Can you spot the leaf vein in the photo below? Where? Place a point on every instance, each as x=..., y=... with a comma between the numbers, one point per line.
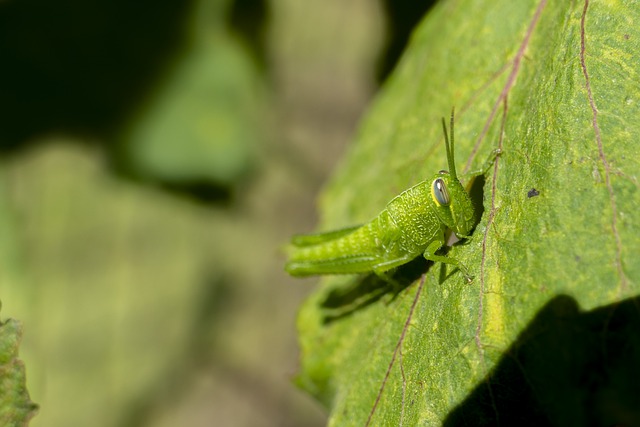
x=603, y=157
x=515, y=69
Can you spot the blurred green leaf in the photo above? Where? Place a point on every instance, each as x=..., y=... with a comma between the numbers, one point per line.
x=16, y=409
x=206, y=118
x=514, y=71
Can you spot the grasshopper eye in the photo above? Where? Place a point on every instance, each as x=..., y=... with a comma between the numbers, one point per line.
x=440, y=193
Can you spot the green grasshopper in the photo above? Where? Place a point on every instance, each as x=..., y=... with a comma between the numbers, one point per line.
x=413, y=223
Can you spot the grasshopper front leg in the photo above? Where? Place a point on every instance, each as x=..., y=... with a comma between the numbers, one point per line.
x=430, y=255
x=485, y=168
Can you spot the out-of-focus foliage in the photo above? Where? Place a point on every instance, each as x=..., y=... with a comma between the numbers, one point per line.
x=203, y=126
x=170, y=89
x=207, y=119
x=140, y=307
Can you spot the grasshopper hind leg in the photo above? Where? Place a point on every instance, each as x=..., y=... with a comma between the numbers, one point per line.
x=339, y=265
x=302, y=240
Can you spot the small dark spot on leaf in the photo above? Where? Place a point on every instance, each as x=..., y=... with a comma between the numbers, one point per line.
x=532, y=193
x=626, y=36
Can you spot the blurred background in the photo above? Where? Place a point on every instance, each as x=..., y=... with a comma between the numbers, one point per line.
x=155, y=156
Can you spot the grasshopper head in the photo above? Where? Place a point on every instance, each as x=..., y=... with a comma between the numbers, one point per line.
x=452, y=203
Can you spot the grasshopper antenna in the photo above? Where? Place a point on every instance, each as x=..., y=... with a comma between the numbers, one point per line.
x=449, y=145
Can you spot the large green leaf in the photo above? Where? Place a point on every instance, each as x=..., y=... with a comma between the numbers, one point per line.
x=556, y=86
